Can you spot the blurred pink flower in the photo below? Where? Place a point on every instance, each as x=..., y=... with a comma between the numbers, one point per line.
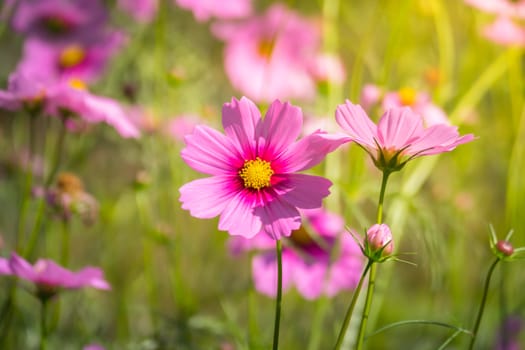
x=419, y=102
x=270, y=56
x=398, y=137
x=370, y=95
x=67, y=60
x=254, y=185
x=321, y=261
x=69, y=99
x=93, y=347
x=182, y=125
x=511, y=8
x=23, y=92
x=224, y=9
x=505, y=31
x=328, y=68
x=141, y=10
x=49, y=278
x=59, y=19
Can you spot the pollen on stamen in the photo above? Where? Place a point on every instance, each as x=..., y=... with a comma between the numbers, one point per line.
x=256, y=173
x=71, y=56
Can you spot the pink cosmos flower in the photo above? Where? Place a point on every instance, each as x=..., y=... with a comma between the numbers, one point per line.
x=505, y=31
x=254, y=185
x=225, y=9
x=59, y=19
x=49, y=277
x=419, y=102
x=141, y=10
x=67, y=60
x=398, y=137
x=321, y=262
x=509, y=8
x=22, y=92
x=370, y=95
x=275, y=51
x=72, y=99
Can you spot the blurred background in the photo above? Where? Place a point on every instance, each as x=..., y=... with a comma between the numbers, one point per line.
x=169, y=65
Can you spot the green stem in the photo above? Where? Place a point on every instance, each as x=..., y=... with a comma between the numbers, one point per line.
x=384, y=181
x=350, y=310
x=373, y=266
x=317, y=331
x=58, y=153
x=43, y=326
x=482, y=303
x=368, y=303
x=278, y=252
x=64, y=251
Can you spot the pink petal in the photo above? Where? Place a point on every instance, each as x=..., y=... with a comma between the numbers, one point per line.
x=240, y=120
x=264, y=272
x=310, y=279
x=303, y=191
x=207, y=198
x=309, y=151
x=238, y=216
x=280, y=128
x=399, y=127
x=210, y=152
x=354, y=120
x=21, y=267
x=107, y=110
x=278, y=218
x=438, y=139
x=5, y=269
x=92, y=277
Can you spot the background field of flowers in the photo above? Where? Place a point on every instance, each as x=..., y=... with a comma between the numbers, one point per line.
x=175, y=282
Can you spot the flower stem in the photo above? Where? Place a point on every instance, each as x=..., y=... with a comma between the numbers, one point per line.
x=482, y=303
x=384, y=181
x=58, y=153
x=350, y=310
x=373, y=267
x=368, y=303
x=43, y=326
x=278, y=251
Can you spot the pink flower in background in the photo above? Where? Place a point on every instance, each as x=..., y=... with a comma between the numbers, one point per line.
x=68, y=99
x=224, y=9
x=141, y=10
x=181, y=126
x=271, y=56
x=67, y=60
x=419, y=102
x=510, y=8
x=254, y=185
x=370, y=95
x=49, y=277
x=321, y=262
x=505, y=31
x=93, y=347
x=59, y=19
x=398, y=137
x=328, y=68
x=23, y=92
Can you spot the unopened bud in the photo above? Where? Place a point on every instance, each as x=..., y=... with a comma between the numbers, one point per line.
x=379, y=238
x=505, y=248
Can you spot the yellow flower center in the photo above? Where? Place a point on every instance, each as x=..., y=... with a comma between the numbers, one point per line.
x=256, y=173
x=78, y=84
x=265, y=47
x=71, y=56
x=407, y=96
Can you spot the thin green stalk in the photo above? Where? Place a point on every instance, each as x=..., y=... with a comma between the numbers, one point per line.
x=350, y=310
x=317, y=332
x=368, y=303
x=373, y=266
x=482, y=303
x=57, y=159
x=278, y=252
x=43, y=325
x=64, y=248
x=384, y=181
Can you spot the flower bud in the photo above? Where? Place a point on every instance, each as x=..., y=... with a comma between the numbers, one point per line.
x=379, y=240
x=505, y=248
